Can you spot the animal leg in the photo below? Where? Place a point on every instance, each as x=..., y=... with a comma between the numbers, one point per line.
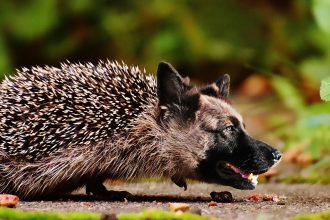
x=100, y=192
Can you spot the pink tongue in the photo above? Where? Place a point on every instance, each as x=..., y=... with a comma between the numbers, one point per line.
x=237, y=170
x=244, y=175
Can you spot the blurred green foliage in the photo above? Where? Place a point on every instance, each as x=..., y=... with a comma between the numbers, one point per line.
x=16, y=214
x=288, y=40
x=312, y=123
x=313, y=216
x=202, y=38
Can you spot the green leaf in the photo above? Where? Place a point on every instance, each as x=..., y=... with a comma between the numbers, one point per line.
x=325, y=89
x=321, y=10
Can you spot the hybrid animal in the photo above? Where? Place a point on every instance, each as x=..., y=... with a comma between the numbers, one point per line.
x=80, y=124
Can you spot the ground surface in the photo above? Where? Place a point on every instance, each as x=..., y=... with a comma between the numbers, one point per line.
x=294, y=199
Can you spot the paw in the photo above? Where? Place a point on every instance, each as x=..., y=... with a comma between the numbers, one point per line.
x=116, y=195
x=98, y=190
x=180, y=182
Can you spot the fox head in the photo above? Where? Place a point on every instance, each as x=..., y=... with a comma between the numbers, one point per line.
x=204, y=136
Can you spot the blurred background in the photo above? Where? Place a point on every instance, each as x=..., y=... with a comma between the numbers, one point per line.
x=277, y=53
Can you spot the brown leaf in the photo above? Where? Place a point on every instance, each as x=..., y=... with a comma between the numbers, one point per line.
x=183, y=207
x=212, y=203
x=8, y=200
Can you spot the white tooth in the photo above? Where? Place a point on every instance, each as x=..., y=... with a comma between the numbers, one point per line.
x=254, y=179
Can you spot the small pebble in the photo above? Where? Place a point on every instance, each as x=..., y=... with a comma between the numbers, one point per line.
x=267, y=197
x=174, y=207
x=196, y=210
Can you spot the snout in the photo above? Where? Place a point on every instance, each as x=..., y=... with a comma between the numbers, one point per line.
x=276, y=155
x=260, y=156
x=240, y=166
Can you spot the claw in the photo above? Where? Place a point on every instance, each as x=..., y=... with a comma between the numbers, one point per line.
x=180, y=182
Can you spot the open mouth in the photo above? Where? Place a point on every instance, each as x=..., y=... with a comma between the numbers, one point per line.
x=239, y=178
x=250, y=177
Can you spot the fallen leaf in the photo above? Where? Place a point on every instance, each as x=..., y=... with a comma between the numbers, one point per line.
x=212, y=203
x=183, y=207
x=8, y=200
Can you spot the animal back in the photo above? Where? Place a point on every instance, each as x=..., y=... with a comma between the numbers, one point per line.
x=46, y=109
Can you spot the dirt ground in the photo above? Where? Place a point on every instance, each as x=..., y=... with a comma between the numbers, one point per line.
x=294, y=199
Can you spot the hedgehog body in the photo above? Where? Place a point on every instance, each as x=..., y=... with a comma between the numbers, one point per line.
x=56, y=122
x=79, y=124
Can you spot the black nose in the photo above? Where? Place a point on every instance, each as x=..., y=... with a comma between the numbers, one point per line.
x=277, y=155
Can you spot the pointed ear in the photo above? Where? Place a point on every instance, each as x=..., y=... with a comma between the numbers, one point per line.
x=186, y=80
x=170, y=85
x=219, y=88
x=224, y=85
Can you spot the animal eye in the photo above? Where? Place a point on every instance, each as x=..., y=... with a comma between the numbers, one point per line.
x=229, y=128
